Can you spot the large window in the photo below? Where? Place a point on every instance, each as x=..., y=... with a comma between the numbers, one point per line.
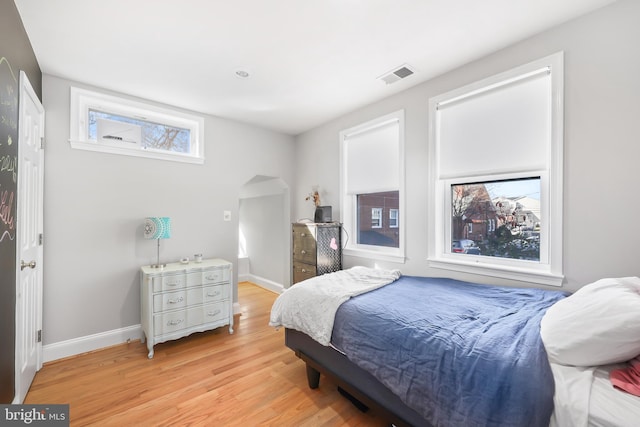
x=372, y=171
x=496, y=175
x=117, y=125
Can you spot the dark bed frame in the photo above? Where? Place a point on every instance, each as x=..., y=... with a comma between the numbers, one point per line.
x=357, y=383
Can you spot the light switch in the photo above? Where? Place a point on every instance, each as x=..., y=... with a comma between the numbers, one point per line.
x=227, y=215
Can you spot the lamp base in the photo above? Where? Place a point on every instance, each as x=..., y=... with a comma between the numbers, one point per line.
x=158, y=265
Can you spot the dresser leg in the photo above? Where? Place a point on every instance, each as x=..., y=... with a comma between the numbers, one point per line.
x=150, y=355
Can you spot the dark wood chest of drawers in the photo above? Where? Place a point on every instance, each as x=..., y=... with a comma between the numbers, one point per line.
x=317, y=249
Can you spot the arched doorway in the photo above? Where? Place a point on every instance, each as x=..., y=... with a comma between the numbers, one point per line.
x=264, y=233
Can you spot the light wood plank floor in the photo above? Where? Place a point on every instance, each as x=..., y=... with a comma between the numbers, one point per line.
x=207, y=379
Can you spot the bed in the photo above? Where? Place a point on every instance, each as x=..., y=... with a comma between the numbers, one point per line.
x=471, y=354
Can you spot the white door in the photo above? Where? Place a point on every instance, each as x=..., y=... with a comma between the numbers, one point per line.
x=29, y=227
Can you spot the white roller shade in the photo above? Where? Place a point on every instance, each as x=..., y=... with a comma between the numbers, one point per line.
x=373, y=159
x=500, y=129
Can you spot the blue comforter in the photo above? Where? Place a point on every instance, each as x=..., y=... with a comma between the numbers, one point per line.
x=460, y=354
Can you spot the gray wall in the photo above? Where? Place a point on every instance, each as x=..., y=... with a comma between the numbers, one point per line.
x=95, y=204
x=602, y=109
x=16, y=54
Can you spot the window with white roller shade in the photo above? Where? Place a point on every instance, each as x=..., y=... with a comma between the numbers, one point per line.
x=505, y=131
x=372, y=180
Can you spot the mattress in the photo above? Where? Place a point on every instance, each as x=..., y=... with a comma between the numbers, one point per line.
x=458, y=353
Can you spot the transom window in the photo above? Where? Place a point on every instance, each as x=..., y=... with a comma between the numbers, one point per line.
x=117, y=125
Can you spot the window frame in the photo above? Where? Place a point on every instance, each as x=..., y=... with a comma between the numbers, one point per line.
x=83, y=100
x=547, y=271
x=348, y=202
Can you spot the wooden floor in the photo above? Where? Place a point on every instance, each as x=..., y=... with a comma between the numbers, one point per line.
x=207, y=379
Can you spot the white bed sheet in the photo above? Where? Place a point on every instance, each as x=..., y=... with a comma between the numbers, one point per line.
x=585, y=398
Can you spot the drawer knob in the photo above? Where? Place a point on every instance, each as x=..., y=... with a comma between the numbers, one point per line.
x=212, y=277
x=303, y=252
x=302, y=234
x=213, y=313
x=174, y=322
x=173, y=284
x=213, y=294
x=304, y=271
x=175, y=301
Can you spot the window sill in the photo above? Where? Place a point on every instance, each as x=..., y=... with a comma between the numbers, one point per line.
x=151, y=154
x=380, y=256
x=539, y=277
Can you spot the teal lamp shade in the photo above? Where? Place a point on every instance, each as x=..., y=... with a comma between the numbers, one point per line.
x=157, y=227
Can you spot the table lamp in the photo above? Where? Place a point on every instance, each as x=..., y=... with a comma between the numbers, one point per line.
x=157, y=228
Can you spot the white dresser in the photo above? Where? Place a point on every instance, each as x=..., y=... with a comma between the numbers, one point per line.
x=181, y=299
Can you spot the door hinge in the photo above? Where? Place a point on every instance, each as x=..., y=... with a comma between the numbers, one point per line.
x=42, y=142
x=40, y=237
x=39, y=339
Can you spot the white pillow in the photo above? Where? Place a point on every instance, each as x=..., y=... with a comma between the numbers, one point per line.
x=597, y=325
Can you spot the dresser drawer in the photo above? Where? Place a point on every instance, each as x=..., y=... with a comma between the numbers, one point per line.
x=304, y=244
x=207, y=294
x=168, y=282
x=169, y=301
x=302, y=271
x=217, y=275
x=168, y=322
x=207, y=313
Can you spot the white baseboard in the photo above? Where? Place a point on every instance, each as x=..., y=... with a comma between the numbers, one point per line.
x=80, y=345
x=267, y=284
x=72, y=347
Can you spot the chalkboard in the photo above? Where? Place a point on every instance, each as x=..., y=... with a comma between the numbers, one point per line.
x=8, y=190
x=8, y=156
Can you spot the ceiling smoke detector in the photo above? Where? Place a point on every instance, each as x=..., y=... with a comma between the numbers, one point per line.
x=397, y=74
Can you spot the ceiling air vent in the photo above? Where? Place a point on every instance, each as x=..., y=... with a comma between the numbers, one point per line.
x=397, y=74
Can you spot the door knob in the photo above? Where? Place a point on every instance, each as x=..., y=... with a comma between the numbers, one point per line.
x=24, y=265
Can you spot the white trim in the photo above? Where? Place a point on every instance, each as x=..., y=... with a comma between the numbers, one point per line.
x=267, y=284
x=75, y=346
x=372, y=253
x=512, y=273
x=150, y=154
x=88, y=343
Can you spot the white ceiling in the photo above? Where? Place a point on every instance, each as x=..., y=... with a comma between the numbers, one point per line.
x=309, y=60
